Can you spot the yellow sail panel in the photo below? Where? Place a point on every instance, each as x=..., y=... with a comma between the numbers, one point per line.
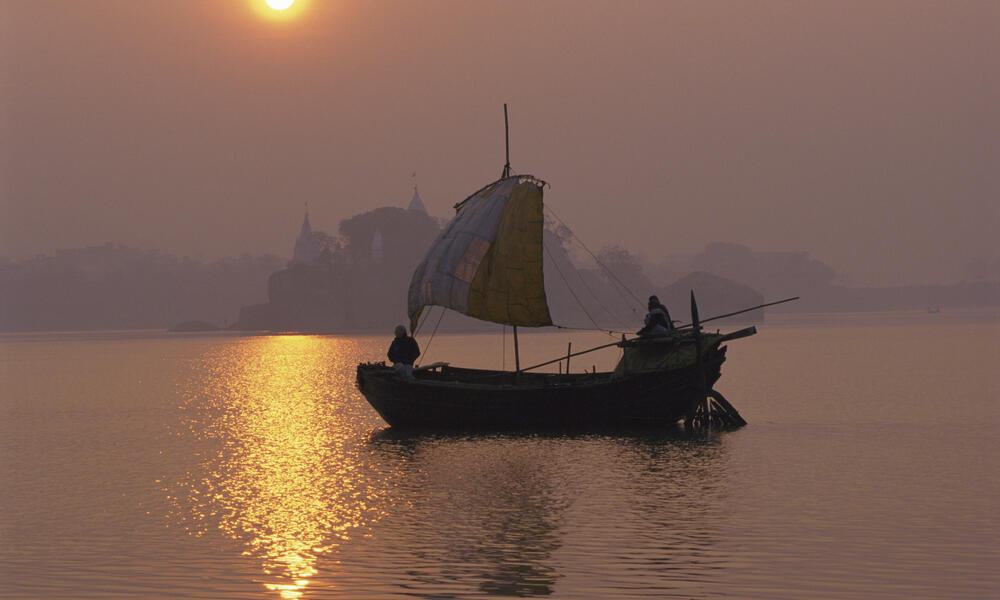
x=487, y=262
x=509, y=286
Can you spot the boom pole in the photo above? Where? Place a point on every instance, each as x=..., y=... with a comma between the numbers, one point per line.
x=740, y=312
x=601, y=347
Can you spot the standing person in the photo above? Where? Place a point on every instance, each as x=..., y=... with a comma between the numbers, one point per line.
x=403, y=352
x=657, y=319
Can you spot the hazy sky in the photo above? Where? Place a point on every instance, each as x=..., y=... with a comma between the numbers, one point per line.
x=863, y=132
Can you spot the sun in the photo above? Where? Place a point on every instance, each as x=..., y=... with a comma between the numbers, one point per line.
x=279, y=11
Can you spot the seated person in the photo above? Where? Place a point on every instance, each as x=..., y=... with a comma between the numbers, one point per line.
x=403, y=352
x=657, y=319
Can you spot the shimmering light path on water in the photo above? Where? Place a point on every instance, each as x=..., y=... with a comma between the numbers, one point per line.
x=154, y=466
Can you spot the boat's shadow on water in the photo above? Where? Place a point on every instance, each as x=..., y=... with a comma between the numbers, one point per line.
x=509, y=511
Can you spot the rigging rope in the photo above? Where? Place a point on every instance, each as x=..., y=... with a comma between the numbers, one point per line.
x=596, y=299
x=427, y=347
x=571, y=292
x=421, y=323
x=503, y=347
x=592, y=255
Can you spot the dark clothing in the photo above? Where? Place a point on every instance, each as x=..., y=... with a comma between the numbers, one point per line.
x=404, y=350
x=657, y=321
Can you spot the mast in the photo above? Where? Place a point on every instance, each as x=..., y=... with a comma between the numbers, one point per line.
x=506, y=139
x=487, y=261
x=506, y=173
x=517, y=355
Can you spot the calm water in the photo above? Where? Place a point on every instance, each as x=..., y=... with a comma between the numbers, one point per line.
x=140, y=465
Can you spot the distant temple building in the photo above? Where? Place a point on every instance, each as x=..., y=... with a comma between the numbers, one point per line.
x=307, y=247
x=416, y=204
x=358, y=279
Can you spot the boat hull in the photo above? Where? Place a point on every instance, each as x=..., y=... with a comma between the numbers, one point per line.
x=455, y=398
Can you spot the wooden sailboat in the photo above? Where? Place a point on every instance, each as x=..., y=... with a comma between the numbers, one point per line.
x=487, y=264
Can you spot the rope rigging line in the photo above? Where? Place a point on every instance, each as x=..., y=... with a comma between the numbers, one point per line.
x=421, y=323
x=571, y=292
x=592, y=255
x=614, y=317
x=598, y=300
x=503, y=347
x=427, y=347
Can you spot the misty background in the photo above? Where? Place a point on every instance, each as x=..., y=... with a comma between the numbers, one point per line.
x=190, y=136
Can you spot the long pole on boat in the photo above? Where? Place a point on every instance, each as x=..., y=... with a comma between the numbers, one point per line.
x=562, y=358
x=702, y=321
x=740, y=312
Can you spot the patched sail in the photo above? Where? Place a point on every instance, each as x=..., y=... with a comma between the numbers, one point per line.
x=487, y=262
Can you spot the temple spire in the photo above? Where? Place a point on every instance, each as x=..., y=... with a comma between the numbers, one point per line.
x=306, y=227
x=416, y=204
x=307, y=248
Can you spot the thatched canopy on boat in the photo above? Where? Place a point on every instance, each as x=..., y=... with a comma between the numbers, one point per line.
x=662, y=353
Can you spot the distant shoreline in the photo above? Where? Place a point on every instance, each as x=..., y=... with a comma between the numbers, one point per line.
x=984, y=316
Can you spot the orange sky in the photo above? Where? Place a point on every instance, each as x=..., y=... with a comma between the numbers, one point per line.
x=865, y=133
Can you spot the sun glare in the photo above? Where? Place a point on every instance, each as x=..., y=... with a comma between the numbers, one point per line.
x=280, y=11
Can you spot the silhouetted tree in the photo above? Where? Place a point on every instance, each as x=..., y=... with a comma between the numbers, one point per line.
x=626, y=269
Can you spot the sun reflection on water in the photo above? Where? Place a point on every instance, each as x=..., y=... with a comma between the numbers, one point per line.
x=286, y=476
x=290, y=465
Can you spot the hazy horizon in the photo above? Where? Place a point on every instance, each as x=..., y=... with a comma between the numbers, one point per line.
x=862, y=134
